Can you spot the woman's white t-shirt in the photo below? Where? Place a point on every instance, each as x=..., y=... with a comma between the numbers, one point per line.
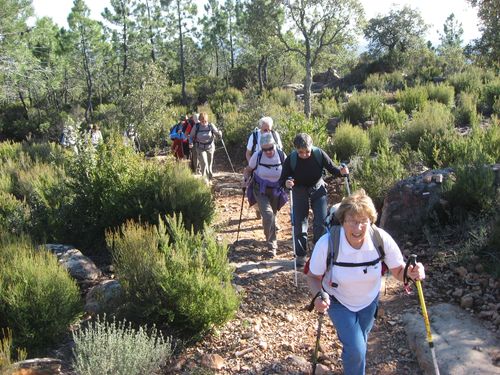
x=357, y=286
x=271, y=174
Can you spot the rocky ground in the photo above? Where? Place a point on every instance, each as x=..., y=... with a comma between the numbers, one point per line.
x=273, y=333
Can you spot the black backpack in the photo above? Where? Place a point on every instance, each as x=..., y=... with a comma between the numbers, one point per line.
x=280, y=154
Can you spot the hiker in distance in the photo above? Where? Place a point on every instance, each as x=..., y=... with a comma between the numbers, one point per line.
x=352, y=277
x=303, y=173
x=202, y=138
x=179, y=134
x=264, y=187
x=265, y=126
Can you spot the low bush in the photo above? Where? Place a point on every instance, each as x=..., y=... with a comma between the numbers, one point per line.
x=171, y=275
x=440, y=93
x=6, y=351
x=473, y=190
x=377, y=175
x=349, y=141
x=379, y=135
x=434, y=118
x=117, y=348
x=296, y=123
x=375, y=82
x=224, y=101
x=282, y=97
x=412, y=99
x=38, y=298
x=390, y=116
x=362, y=107
x=113, y=184
x=14, y=214
x=490, y=98
x=468, y=81
x=466, y=110
x=325, y=108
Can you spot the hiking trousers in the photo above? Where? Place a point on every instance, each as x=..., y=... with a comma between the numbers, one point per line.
x=303, y=198
x=206, y=159
x=353, y=329
x=268, y=206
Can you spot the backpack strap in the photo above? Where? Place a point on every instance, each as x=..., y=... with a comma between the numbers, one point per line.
x=280, y=154
x=254, y=136
x=275, y=137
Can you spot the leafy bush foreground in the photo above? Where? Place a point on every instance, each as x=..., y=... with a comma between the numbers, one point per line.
x=171, y=275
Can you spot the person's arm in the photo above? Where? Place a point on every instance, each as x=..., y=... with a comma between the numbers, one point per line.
x=216, y=131
x=286, y=171
x=329, y=166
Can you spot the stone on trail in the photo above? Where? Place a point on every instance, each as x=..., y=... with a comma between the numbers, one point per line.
x=462, y=344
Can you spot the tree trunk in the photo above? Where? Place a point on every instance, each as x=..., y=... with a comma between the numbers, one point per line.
x=124, y=41
x=261, y=80
x=21, y=97
x=181, y=54
x=307, y=87
x=151, y=34
x=264, y=72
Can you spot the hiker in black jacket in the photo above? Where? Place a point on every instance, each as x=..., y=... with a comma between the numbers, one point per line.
x=303, y=173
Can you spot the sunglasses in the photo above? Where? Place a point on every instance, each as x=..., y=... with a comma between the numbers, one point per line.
x=268, y=149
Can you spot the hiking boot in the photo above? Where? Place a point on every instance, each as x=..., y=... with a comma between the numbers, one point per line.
x=301, y=260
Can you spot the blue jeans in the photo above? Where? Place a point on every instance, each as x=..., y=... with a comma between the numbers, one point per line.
x=353, y=329
x=303, y=198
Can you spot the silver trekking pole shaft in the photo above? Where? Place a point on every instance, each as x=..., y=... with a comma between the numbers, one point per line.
x=346, y=180
x=228, y=158
x=293, y=238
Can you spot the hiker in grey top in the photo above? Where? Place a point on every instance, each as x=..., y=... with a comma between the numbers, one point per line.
x=202, y=138
x=264, y=188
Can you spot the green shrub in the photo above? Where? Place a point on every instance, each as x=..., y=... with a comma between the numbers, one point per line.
x=362, y=107
x=282, y=97
x=412, y=99
x=349, y=141
x=466, y=110
x=468, y=81
x=38, y=298
x=188, y=281
x=225, y=101
x=388, y=115
x=236, y=128
x=6, y=350
x=325, y=108
x=473, y=190
x=296, y=123
x=377, y=175
x=379, y=136
x=440, y=93
x=434, y=118
x=113, y=184
x=395, y=81
x=490, y=97
x=116, y=348
x=376, y=82
x=14, y=214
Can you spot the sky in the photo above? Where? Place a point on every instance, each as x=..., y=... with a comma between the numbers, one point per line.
x=434, y=12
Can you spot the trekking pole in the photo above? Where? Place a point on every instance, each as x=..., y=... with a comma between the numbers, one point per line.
x=293, y=237
x=412, y=260
x=323, y=297
x=228, y=158
x=241, y=213
x=346, y=180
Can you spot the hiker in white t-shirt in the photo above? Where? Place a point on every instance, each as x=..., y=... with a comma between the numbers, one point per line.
x=264, y=188
x=352, y=282
x=253, y=143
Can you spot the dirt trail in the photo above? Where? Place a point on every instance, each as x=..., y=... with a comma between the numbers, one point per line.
x=272, y=332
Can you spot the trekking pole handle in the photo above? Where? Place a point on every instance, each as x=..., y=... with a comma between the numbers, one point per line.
x=321, y=294
x=412, y=260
